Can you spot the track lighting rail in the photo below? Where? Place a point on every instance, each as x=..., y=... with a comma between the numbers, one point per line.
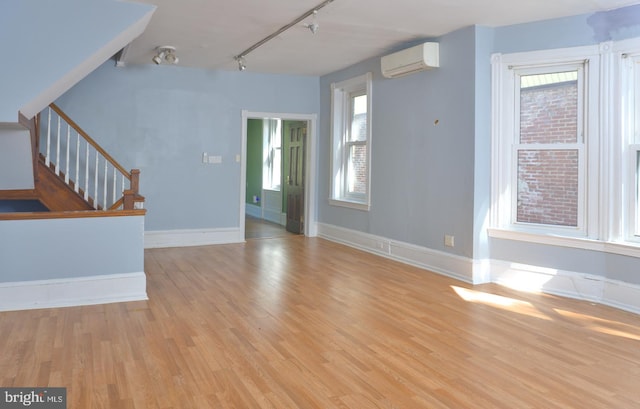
x=240, y=57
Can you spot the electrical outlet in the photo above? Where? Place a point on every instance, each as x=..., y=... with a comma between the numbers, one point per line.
x=449, y=241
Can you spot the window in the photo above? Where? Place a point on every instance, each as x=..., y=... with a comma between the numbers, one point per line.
x=565, y=160
x=545, y=143
x=631, y=144
x=351, y=142
x=272, y=154
x=549, y=146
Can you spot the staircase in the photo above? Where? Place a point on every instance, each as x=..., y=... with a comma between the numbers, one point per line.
x=89, y=247
x=72, y=172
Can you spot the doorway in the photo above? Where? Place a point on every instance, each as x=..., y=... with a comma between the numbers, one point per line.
x=278, y=178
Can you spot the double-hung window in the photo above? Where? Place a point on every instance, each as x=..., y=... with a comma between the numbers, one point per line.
x=351, y=142
x=630, y=90
x=549, y=147
x=545, y=143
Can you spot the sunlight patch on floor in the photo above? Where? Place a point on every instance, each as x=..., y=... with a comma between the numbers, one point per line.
x=531, y=279
x=590, y=322
x=498, y=301
x=602, y=325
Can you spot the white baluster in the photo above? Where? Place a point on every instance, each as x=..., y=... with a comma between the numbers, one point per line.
x=86, y=173
x=46, y=158
x=58, y=149
x=104, y=188
x=95, y=187
x=66, y=173
x=115, y=179
x=77, y=184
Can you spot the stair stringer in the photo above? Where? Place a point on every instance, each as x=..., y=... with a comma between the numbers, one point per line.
x=55, y=194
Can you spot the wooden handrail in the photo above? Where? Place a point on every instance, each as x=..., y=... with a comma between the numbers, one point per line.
x=70, y=215
x=90, y=140
x=130, y=199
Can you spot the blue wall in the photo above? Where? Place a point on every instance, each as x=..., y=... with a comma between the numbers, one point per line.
x=70, y=248
x=427, y=180
x=48, y=39
x=422, y=173
x=161, y=119
x=569, y=31
x=484, y=38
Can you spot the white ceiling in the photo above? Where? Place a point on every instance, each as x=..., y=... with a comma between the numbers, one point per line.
x=209, y=33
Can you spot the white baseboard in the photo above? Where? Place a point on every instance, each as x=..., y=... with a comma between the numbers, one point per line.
x=460, y=268
x=71, y=292
x=253, y=210
x=275, y=217
x=571, y=284
x=587, y=287
x=195, y=237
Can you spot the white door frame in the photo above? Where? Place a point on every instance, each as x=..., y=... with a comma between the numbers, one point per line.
x=310, y=222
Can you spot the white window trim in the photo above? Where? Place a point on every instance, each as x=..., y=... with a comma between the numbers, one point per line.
x=579, y=145
x=503, y=99
x=340, y=92
x=625, y=151
x=611, y=227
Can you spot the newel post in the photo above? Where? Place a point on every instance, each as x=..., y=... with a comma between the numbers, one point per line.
x=132, y=199
x=135, y=180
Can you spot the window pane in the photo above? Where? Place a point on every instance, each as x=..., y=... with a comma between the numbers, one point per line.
x=358, y=118
x=549, y=108
x=357, y=171
x=276, y=165
x=548, y=187
x=637, y=195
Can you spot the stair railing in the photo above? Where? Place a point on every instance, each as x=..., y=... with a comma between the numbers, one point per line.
x=85, y=166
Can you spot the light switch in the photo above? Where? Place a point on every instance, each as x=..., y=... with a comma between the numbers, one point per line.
x=215, y=159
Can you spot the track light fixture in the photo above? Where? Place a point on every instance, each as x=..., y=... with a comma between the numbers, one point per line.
x=313, y=27
x=165, y=54
x=241, y=64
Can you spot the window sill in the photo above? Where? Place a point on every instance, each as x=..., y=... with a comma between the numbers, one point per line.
x=622, y=248
x=350, y=204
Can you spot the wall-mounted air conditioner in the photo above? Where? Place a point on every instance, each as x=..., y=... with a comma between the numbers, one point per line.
x=410, y=60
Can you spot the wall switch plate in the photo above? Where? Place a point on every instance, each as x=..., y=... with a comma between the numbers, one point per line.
x=204, y=157
x=215, y=159
x=449, y=241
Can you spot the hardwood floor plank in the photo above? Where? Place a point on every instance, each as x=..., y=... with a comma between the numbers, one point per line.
x=295, y=322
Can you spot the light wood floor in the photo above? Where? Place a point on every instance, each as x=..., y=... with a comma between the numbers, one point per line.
x=299, y=322
x=262, y=229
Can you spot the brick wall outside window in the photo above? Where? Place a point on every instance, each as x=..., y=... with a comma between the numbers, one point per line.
x=548, y=179
x=358, y=156
x=358, y=183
